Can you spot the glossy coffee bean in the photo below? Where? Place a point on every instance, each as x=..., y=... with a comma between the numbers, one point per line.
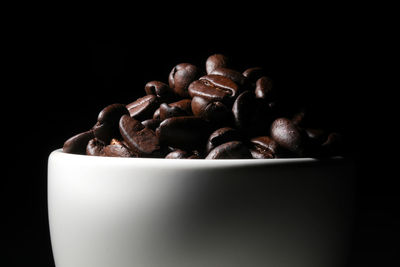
x=230, y=150
x=253, y=74
x=214, y=88
x=221, y=136
x=151, y=123
x=117, y=150
x=217, y=61
x=231, y=74
x=138, y=138
x=215, y=112
x=251, y=115
x=264, y=147
x=161, y=90
x=264, y=88
x=95, y=148
x=184, y=104
x=112, y=113
x=77, y=143
x=177, y=154
x=105, y=132
x=288, y=135
x=168, y=111
x=187, y=132
x=143, y=107
x=181, y=76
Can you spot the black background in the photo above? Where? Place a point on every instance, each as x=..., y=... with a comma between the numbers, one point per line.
x=62, y=72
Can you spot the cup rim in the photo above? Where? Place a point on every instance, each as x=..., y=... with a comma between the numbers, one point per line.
x=188, y=162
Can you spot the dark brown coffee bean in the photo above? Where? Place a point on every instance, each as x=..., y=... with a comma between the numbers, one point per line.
x=217, y=61
x=221, y=136
x=181, y=76
x=112, y=113
x=143, y=107
x=264, y=88
x=214, y=88
x=167, y=111
x=177, y=154
x=251, y=115
x=333, y=146
x=151, y=123
x=211, y=111
x=161, y=90
x=104, y=132
x=263, y=147
x=187, y=132
x=231, y=74
x=230, y=150
x=253, y=74
x=137, y=137
x=77, y=143
x=117, y=150
x=95, y=147
x=184, y=104
x=288, y=135
x=156, y=114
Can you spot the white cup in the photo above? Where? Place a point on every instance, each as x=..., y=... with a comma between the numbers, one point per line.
x=137, y=212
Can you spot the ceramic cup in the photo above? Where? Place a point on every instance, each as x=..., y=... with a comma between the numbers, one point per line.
x=138, y=212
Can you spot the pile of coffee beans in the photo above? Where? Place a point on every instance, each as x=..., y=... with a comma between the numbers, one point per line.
x=216, y=113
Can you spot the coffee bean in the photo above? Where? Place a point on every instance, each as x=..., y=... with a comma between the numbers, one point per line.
x=231, y=74
x=95, y=148
x=288, y=135
x=151, y=123
x=143, y=107
x=177, y=154
x=217, y=61
x=253, y=74
x=77, y=143
x=181, y=76
x=215, y=112
x=221, y=136
x=112, y=113
x=187, y=132
x=214, y=88
x=161, y=90
x=264, y=147
x=184, y=104
x=264, y=88
x=117, y=150
x=167, y=111
x=138, y=138
x=230, y=150
x=105, y=132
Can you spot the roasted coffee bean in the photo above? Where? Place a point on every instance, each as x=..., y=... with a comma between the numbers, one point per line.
x=77, y=143
x=264, y=147
x=251, y=116
x=231, y=74
x=112, y=113
x=181, y=76
x=178, y=154
x=167, y=111
x=333, y=146
x=230, y=150
x=117, y=150
x=143, y=108
x=253, y=74
x=138, y=138
x=187, y=132
x=215, y=112
x=221, y=136
x=288, y=135
x=184, y=104
x=217, y=61
x=214, y=88
x=151, y=123
x=95, y=148
x=264, y=88
x=161, y=90
x=104, y=132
